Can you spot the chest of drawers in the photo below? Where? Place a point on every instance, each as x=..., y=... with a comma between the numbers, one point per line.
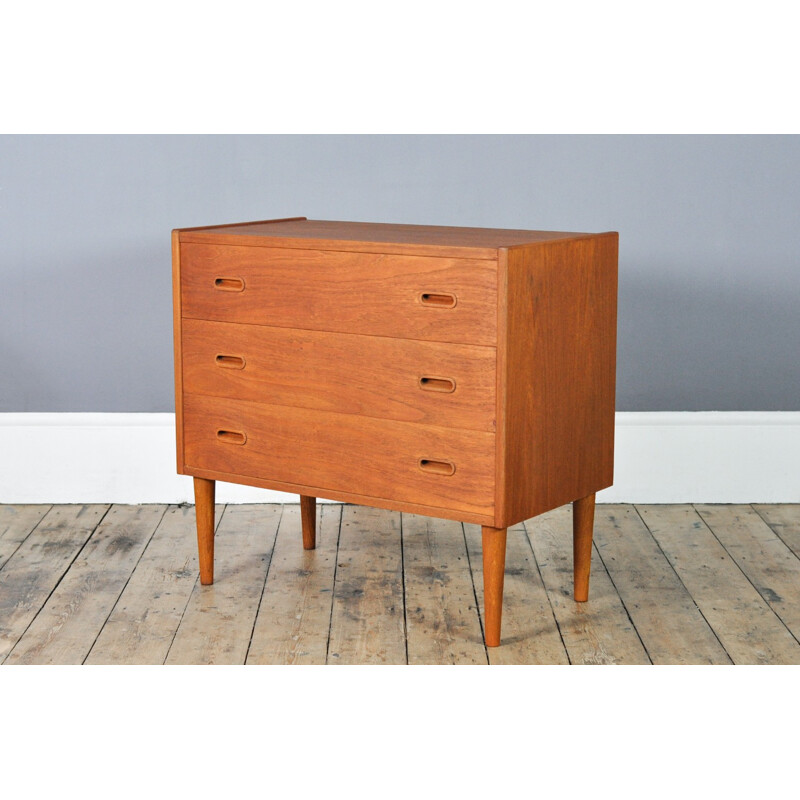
x=465, y=373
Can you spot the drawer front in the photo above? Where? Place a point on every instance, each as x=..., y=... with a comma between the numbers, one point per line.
x=410, y=297
x=401, y=461
x=432, y=382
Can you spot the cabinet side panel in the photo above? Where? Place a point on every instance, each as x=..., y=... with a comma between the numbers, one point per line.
x=560, y=371
x=501, y=388
x=177, y=345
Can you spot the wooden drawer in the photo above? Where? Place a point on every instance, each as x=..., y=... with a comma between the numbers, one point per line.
x=433, y=382
x=398, y=461
x=412, y=297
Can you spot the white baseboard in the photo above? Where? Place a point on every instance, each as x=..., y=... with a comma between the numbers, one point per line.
x=661, y=457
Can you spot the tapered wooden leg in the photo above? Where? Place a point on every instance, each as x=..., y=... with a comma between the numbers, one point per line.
x=494, y=565
x=582, y=526
x=308, y=513
x=204, y=515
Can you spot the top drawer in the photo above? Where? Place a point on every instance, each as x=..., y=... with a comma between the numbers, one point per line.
x=409, y=297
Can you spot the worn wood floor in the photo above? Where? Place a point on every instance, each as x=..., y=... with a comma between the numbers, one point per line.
x=97, y=584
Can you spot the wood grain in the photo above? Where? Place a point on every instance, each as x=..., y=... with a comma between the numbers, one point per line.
x=373, y=237
x=142, y=625
x=333, y=335
x=746, y=626
x=493, y=552
x=218, y=621
x=785, y=521
x=16, y=523
x=295, y=611
x=582, y=528
x=530, y=632
x=597, y=632
x=204, y=493
x=37, y=566
x=559, y=357
x=442, y=619
x=761, y=555
x=666, y=617
x=297, y=596
x=341, y=292
x=76, y=611
x=308, y=516
x=177, y=340
x=346, y=496
x=373, y=376
x=382, y=456
x=367, y=620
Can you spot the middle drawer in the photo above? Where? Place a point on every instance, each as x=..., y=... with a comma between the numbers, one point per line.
x=436, y=383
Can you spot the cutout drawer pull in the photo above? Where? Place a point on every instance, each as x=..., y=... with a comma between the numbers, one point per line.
x=229, y=284
x=232, y=437
x=431, y=384
x=437, y=467
x=230, y=362
x=438, y=299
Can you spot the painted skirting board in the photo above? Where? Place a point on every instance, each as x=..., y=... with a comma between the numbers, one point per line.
x=661, y=457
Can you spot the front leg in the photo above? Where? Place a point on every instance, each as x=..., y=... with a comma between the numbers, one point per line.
x=204, y=516
x=494, y=566
x=308, y=514
x=582, y=527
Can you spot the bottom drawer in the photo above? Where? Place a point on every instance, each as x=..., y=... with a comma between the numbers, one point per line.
x=401, y=461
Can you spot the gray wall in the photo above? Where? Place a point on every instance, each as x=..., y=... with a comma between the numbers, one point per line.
x=709, y=239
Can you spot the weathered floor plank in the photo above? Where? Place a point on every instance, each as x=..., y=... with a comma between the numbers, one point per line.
x=143, y=623
x=16, y=523
x=74, y=614
x=709, y=584
x=218, y=621
x=598, y=631
x=529, y=630
x=761, y=555
x=746, y=626
x=666, y=617
x=441, y=614
x=295, y=611
x=31, y=574
x=785, y=521
x=367, y=620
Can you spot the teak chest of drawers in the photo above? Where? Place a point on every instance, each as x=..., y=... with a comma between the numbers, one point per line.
x=465, y=373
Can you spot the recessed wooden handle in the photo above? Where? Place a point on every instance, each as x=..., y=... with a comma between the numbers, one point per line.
x=229, y=284
x=230, y=362
x=232, y=437
x=431, y=384
x=438, y=299
x=437, y=467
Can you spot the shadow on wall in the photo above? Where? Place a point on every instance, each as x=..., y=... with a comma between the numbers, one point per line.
x=706, y=346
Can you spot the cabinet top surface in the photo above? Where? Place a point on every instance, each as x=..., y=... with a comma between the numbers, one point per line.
x=303, y=232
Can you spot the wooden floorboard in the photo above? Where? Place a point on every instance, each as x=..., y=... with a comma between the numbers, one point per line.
x=442, y=617
x=16, y=523
x=74, y=614
x=747, y=627
x=785, y=521
x=368, y=620
x=529, y=631
x=766, y=561
x=143, y=623
x=666, y=617
x=704, y=584
x=218, y=622
x=295, y=611
x=596, y=632
x=29, y=577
